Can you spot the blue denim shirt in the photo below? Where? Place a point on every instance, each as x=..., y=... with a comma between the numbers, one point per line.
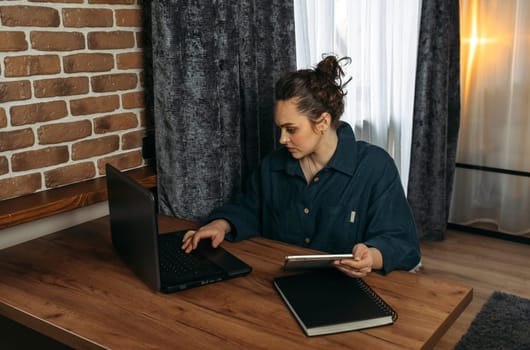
x=356, y=198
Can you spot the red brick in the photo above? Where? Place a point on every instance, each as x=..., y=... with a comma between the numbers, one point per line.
x=129, y=18
x=13, y=41
x=19, y=185
x=83, y=17
x=40, y=158
x=130, y=60
x=143, y=120
x=132, y=139
x=114, y=82
x=121, y=161
x=69, y=174
x=63, y=132
x=115, y=122
x=112, y=2
x=95, y=147
x=23, y=66
x=57, y=41
x=38, y=112
x=139, y=39
x=16, y=139
x=110, y=40
x=15, y=90
x=4, y=165
x=133, y=100
x=61, y=87
x=91, y=105
x=60, y=1
x=33, y=16
x=3, y=118
x=88, y=62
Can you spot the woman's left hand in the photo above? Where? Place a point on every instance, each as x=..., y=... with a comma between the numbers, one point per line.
x=364, y=260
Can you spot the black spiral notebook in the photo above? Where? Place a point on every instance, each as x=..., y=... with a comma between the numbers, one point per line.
x=327, y=301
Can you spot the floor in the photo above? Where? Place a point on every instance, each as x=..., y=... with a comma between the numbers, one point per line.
x=487, y=264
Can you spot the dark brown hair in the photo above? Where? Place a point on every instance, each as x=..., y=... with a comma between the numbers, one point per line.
x=316, y=90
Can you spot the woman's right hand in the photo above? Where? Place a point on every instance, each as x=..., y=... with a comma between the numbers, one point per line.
x=215, y=230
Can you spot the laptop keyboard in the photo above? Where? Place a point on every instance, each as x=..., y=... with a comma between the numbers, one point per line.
x=177, y=264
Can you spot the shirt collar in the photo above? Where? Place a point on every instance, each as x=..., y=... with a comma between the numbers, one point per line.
x=344, y=159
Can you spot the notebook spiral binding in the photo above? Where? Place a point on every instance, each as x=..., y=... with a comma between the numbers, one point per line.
x=383, y=304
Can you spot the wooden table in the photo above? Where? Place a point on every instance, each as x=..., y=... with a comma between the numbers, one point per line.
x=72, y=287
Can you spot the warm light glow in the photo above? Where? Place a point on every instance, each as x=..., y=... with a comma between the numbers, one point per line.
x=474, y=39
x=477, y=41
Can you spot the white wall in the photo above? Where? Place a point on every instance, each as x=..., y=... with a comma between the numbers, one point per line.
x=38, y=228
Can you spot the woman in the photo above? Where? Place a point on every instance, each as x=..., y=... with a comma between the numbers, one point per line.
x=323, y=190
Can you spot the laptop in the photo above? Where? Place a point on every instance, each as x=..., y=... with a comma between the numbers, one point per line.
x=156, y=258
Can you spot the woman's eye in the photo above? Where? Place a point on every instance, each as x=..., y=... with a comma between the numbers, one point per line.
x=291, y=130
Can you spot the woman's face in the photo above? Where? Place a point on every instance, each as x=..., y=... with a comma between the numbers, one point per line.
x=298, y=134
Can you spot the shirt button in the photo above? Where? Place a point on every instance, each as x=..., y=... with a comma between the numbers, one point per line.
x=316, y=179
x=307, y=240
x=306, y=210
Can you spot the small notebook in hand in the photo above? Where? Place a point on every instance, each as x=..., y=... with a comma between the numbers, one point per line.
x=327, y=301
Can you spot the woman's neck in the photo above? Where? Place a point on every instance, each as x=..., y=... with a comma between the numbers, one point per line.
x=314, y=162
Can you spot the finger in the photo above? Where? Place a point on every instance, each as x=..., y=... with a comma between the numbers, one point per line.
x=353, y=266
x=186, y=239
x=359, y=252
x=187, y=246
x=350, y=272
x=216, y=241
x=350, y=264
x=357, y=256
x=188, y=234
x=360, y=273
x=184, y=245
x=196, y=239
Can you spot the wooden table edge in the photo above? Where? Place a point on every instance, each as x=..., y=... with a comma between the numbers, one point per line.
x=46, y=328
x=452, y=317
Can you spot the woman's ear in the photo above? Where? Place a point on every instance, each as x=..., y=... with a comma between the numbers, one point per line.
x=324, y=121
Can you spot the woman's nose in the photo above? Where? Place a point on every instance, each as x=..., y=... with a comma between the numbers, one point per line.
x=284, y=138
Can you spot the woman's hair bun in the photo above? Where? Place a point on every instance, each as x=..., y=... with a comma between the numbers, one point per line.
x=316, y=90
x=330, y=69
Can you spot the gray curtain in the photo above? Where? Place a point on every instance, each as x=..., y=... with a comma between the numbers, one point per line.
x=436, y=117
x=214, y=65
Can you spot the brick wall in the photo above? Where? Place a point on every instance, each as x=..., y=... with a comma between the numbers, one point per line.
x=71, y=91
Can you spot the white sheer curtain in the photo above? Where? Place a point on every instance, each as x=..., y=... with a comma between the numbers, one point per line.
x=495, y=123
x=381, y=37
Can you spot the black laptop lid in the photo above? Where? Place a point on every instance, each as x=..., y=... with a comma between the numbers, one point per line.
x=134, y=227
